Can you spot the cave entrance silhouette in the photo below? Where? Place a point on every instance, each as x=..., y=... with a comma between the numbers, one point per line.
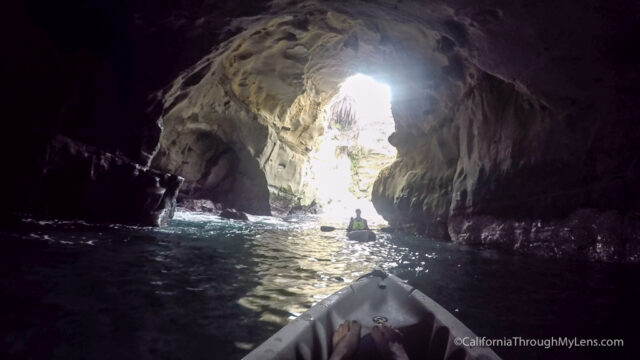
x=354, y=148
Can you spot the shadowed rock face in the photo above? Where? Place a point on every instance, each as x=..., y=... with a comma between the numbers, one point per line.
x=516, y=124
x=86, y=71
x=530, y=142
x=76, y=181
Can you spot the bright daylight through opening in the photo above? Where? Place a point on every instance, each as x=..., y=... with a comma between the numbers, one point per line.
x=354, y=148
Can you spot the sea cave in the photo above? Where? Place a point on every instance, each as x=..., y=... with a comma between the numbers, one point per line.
x=179, y=177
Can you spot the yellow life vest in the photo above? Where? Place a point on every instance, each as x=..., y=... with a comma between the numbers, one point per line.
x=358, y=224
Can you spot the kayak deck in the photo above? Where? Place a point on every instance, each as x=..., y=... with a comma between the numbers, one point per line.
x=361, y=235
x=376, y=298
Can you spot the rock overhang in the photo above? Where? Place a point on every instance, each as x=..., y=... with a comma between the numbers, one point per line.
x=502, y=109
x=280, y=70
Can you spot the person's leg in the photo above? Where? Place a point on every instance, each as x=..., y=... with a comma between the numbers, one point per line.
x=389, y=342
x=345, y=340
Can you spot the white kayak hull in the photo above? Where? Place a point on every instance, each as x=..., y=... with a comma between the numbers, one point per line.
x=429, y=330
x=361, y=235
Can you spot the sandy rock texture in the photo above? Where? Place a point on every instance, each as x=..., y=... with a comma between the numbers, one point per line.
x=501, y=109
x=240, y=124
x=249, y=113
x=542, y=138
x=508, y=115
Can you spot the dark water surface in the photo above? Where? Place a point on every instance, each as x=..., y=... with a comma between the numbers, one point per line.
x=207, y=288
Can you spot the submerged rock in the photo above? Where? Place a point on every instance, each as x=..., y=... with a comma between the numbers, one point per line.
x=200, y=205
x=304, y=209
x=388, y=230
x=233, y=214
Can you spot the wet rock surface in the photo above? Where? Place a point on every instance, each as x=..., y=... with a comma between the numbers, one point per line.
x=233, y=214
x=199, y=205
x=586, y=234
x=304, y=209
x=506, y=112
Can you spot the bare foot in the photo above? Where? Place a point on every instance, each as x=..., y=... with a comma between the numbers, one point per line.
x=345, y=340
x=389, y=342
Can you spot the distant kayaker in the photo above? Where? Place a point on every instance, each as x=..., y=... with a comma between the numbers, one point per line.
x=357, y=223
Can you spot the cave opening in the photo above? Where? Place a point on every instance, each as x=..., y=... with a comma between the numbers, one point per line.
x=170, y=169
x=354, y=148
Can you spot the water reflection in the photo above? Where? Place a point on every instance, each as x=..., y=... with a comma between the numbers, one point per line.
x=305, y=267
x=205, y=285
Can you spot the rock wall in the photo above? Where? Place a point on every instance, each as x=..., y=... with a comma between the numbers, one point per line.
x=537, y=153
x=509, y=115
x=87, y=70
x=263, y=93
x=75, y=181
x=228, y=148
x=507, y=171
x=261, y=96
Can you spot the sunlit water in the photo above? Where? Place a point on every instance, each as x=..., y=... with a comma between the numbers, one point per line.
x=208, y=288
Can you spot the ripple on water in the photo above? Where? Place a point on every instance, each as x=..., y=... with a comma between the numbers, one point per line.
x=204, y=285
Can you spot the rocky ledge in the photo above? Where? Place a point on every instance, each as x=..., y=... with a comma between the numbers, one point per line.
x=586, y=234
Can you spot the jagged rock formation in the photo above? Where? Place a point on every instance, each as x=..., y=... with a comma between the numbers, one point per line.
x=510, y=117
x=77, y=181
x=257, y=94
x=85, y=70
x=529, y=141
x=262, y=94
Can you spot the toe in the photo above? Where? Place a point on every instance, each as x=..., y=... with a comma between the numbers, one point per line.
x=383, y=332
x=376, y=333
x=392, y=334
x=355, y=327
x=344, y=328
x=339, y=333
